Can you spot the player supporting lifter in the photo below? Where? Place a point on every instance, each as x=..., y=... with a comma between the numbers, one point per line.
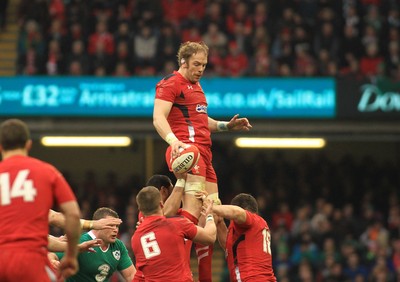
x=180, y=117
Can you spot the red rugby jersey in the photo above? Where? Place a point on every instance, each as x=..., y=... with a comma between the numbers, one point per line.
x=248, y=250
x=28, y=189
x=188, y=117
x=159, y=248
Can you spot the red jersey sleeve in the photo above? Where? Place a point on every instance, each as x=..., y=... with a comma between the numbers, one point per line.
x=187, y=227
x=247, y=224
x=167, y=89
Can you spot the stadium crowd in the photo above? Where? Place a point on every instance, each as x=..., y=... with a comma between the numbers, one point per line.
x=246, y=38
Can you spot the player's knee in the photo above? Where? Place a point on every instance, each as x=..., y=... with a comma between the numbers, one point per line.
x=194, y=187
x=215, y=198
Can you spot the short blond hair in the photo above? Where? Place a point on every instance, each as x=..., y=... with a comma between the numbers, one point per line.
x=187, y=49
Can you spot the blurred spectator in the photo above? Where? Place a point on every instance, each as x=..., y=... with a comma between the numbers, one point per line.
x=370, y=63
x=392, y=59
x=168, y=45
x=259, y=38
x=175, y=11
x=350, y=44
x=31, y=37
x=146, y=12
x=101, y=37
x=375, y=239
x=77, y=11
x=121, y=70
x=55, y=59
x=75, y=68
x=214, y=37
x=78, y=54
x=325, y=39
x=145, y=46
x=31, y=63
x=191, y=33
x=283, y=217
x=261, y=16
x=215, y=65
x=241, y=15
x=215, y=15
x=57, y=10
x=122, y=54
x=236, y=62
x=354, y=268
x=123, y=34
x=76, y=32
x=101, y=58
x=305, y=250
x=57, y=33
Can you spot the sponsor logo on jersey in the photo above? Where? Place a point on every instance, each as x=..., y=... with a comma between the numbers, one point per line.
x=117, y=254
x=201, y=108
x=190, y=87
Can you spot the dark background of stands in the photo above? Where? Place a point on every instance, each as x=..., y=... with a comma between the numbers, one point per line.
x=334, y=213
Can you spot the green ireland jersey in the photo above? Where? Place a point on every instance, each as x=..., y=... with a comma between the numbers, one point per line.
x=99, y=266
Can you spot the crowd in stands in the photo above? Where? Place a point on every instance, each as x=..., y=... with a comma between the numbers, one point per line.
x=331, y=220
x=246, y=38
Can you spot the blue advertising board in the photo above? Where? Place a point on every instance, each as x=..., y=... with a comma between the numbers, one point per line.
x=134, y=97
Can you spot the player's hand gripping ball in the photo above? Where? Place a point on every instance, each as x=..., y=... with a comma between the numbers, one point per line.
x=187, y=160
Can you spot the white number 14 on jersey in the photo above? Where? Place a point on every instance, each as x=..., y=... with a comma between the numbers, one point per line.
x=21, y=187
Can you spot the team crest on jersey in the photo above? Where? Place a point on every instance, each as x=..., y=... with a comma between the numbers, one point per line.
x=201, y=108
x=195, y=169
x=117, y=254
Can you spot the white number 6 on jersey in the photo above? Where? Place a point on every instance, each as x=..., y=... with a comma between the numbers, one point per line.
x=149, y=245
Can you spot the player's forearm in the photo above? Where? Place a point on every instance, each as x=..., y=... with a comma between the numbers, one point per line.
x=217, y=126
x=173, y=202
x=56, y=245
x=56, y=219
x=72, y=226
x=210, y=231
x=222, y=232
x=162, y=126
x=160, y=122
x=230, y=212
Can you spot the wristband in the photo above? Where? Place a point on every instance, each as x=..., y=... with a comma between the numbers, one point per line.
x=222, y=126
x=170, y=138
x=180, y=183
x=209, y=217
x=86, y=224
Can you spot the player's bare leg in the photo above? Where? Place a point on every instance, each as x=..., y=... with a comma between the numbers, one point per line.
x=194, y=183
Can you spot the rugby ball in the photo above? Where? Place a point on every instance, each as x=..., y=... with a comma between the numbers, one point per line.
x=187, y=159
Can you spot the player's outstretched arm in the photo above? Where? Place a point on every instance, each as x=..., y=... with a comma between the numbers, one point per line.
x=231, y=212
x=58, y=219
x=208, y=234
x=173, y=202
x=57, y=244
